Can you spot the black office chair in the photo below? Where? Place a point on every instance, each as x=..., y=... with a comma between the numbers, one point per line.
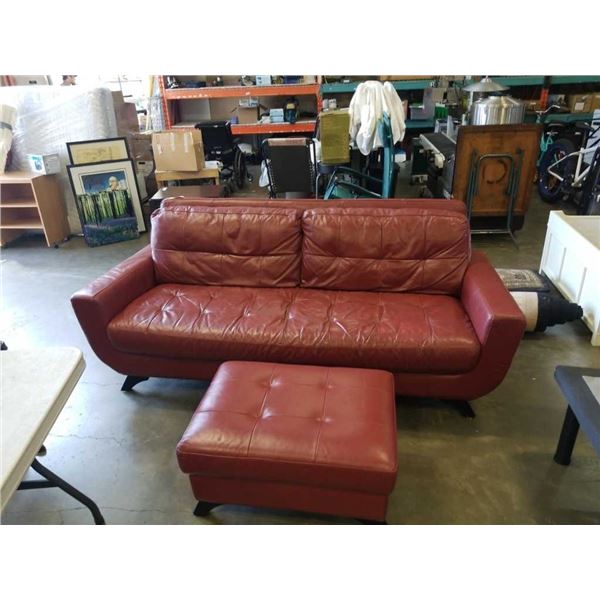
x=219, y=144
x=290, y=165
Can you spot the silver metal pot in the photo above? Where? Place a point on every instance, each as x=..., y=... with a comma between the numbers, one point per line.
x=497, y=110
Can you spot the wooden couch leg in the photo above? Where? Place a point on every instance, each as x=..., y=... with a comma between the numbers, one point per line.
x=203, y=508
x=465, y=409
x=131, y=381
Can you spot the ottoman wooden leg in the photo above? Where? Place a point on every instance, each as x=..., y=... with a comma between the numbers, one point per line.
x=203, y=508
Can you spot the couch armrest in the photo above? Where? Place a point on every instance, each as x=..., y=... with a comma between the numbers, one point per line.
x=100, y=301
x=488, y=303
x=498, y=323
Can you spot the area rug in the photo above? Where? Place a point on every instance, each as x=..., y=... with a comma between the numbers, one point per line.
x=523, y=280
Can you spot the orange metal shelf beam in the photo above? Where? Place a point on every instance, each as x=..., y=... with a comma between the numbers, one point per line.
x=262, y=128
x=241, y=91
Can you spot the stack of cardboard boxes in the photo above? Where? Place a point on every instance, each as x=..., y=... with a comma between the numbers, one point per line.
x=140, y=146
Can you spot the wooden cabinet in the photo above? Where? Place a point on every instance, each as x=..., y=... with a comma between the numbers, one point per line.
x=489, y=186
x=29, y=201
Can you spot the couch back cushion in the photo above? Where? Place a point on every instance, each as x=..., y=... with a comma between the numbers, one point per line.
x=385, y=249
x=238, y=246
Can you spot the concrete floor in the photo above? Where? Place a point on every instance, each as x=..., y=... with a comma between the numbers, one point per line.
x=119, y=448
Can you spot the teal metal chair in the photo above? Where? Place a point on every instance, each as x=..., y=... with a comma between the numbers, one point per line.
x=349, y=183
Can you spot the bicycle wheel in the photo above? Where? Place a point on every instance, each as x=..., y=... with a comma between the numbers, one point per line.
x=590, y=204
x=239, y=169
x=550, y=188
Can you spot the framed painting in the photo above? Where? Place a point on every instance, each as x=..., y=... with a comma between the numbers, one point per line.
x=108, y=201
x=96, y=151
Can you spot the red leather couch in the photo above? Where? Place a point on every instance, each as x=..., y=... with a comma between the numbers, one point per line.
x=365, y=283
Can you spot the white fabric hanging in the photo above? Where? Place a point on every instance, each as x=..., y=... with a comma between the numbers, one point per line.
x=370, y=100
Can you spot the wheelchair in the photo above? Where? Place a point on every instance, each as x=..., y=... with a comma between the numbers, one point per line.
x=219, y=144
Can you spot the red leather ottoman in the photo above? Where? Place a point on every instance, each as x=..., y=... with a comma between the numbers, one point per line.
x=297, y=437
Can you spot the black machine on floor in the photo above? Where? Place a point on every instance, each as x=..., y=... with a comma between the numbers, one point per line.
x=440, y=152
x=219, y=144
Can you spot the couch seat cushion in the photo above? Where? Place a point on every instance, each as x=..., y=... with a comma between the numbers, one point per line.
x=400, y=332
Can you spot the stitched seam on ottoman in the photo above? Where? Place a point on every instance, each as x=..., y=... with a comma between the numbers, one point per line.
x=322, y=415
x=245, y=414
x=283, y=462
x=262, y=407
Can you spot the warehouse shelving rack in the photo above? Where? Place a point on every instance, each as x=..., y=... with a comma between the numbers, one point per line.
x=171, y=96
x=421, y=84
x=511, y=81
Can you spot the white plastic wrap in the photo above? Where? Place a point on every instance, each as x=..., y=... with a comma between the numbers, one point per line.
x=50, y=116
x=8, y=118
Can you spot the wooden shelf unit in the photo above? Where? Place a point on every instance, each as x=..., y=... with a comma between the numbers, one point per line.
x=243, y=91
x=302, y=126
x=29, y=201
x=171, y=96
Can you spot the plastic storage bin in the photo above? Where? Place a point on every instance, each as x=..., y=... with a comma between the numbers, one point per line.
x=571, y=259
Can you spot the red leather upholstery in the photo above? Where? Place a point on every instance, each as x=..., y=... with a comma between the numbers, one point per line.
x=97, y=303
x=275, y=494
x=499, y=325
x=227, y=245
x=306, y=204
x=382, y=249
x=451, y=347
x=299, y=425
x=400, y=332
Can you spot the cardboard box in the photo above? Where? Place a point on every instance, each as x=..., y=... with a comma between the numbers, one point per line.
x=178, y=150
x=248, y=116
x=580, y=103
x=335, y=137
x=533, y=105
x=126, y=115
x=140, y=146
x=44, y=164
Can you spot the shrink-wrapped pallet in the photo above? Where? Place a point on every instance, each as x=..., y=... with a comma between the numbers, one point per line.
x=50, y=116
x=8, y=117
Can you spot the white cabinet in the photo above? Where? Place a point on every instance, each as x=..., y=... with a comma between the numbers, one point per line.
x=571, y=260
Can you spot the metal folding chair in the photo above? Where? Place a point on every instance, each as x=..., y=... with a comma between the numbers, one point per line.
x=290, y=165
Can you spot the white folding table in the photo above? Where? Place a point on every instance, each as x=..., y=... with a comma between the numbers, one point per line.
x=35, y=386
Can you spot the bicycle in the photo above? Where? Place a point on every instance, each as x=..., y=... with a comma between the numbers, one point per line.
x=563, y=170
x=548, y=136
